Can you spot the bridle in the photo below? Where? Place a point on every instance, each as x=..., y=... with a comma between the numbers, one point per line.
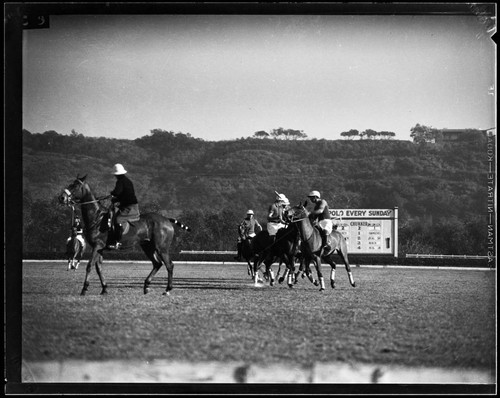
x=72, y=201
x=296, y=220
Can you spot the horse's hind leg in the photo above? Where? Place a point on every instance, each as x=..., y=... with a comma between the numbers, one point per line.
x=159, y=257
x=333, y=266
x=170, y=270
x=156, y=266
x=343, y=255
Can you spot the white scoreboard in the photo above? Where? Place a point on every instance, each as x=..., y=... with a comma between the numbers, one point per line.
x=368, y=231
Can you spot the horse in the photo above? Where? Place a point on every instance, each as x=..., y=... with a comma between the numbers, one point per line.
x=312, y=242
x=151, y=231
x=74, y=252
x=283, y=249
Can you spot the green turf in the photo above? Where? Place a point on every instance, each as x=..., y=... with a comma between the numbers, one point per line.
x=417, y=317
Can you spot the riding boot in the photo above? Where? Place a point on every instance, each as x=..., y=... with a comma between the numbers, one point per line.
x=118, y=235
x=324, y=242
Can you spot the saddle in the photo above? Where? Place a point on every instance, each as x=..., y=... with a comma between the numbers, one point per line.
x=113, y=226
x=126, y=224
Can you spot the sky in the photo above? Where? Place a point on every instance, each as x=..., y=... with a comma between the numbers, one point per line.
x=224, y=77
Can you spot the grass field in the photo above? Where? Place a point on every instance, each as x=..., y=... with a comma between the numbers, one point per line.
x=413, y=317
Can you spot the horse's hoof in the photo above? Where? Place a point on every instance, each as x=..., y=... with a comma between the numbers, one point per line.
x=321, y=289
x=83, y=293
x=333, y=285
x=166, y=294
x=280, y=280
x=316, y=283
x=146, y=290
x=104, y=293
x=354, y=284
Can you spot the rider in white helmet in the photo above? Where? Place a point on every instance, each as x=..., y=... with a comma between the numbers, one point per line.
x=247, y=229
x=321, y=215
x=124, y=195
x=275, y=216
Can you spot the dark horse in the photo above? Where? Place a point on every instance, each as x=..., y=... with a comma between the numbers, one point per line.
x=74, y=252
x=311, y=245
x=153, y=232
x=283, y=249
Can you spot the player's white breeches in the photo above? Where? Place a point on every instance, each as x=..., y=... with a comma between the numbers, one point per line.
x=273, y=227
x=327, y=225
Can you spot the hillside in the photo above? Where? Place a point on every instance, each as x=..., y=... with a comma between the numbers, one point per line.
x=441, y=190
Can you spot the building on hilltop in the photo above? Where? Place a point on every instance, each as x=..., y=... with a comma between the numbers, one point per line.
x=460, y=135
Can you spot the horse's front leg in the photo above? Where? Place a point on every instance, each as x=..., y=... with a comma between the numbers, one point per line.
x=256, y=265
x=250, y=269
x=308, y=272
x=279, y=269
x=290, y=270
x=98, y=267
x=270, y=272
x=86, y=282
x=317, y=264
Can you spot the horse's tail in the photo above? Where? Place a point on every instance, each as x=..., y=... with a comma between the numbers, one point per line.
x=181, y=225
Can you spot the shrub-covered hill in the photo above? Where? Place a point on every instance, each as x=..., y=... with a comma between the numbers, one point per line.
x=441, y=190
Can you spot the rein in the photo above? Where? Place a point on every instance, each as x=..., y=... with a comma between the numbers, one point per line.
x=86, y=203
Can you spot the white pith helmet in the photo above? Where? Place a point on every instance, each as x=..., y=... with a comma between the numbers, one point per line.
x=314, y=193
x=281, y=197
x=118, y=169
x=250, y=212
x=286, y=202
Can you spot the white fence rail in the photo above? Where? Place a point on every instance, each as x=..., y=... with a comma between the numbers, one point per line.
x=446, y=256
x=407, y=255
x=208, y=252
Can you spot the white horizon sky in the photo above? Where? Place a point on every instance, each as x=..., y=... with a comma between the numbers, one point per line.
x=222, y=77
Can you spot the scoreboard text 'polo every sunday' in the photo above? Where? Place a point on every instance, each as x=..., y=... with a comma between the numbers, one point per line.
x=368, y=231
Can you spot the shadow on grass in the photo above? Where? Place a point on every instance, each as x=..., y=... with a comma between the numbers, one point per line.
x=185, y=283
